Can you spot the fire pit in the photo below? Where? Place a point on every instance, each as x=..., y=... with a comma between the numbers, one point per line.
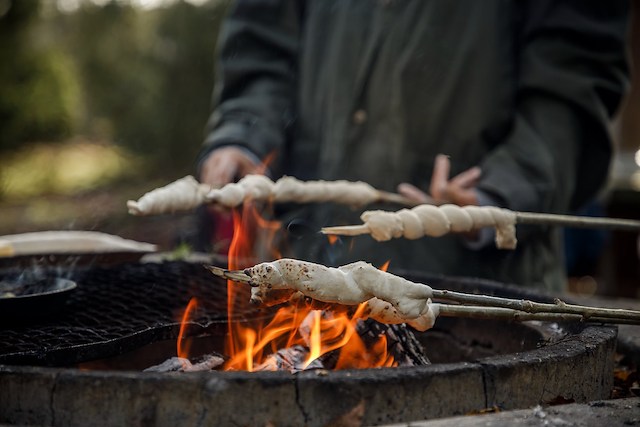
x=83, y=363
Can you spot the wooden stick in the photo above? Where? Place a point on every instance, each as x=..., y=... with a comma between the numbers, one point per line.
x=528, y=306
x=577, y=221
x=491, y=307
x=346, y=230
x=385, y=196
x=235, y=275
x=499, y=313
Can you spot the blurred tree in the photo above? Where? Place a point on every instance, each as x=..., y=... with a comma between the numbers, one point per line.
x=146, y=76
x=139, y=78
x=111, y=49
x=37, y=90
x=186, y=38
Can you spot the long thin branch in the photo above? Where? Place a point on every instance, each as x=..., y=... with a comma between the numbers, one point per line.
x=575, y=221
x=451, y=310
x=536, y=307
x=235, y=275
x=346, y=230
x=491, y=307
x=385, y=196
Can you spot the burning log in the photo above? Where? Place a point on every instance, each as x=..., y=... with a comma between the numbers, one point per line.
x=292, y=359
x=187, y=193
x=208, y=362
x=393, y=299
x=436, y=221
x=403, y=344
x=399, y=342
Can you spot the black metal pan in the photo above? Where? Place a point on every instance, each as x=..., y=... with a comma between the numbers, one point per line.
x=23, y=300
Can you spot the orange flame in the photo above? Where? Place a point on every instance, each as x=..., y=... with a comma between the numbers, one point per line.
x=385, y=266
x=315, y=339
x=249, y=346
x=264, y=166
x=332, y=239
x=182, y=349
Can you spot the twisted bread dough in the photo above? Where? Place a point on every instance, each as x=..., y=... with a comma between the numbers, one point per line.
x=389, y=298
x=429, y=220
x=358, y=193
x=385, y=312
x=289, y=189
x=187, y=194
x=183, y=194
x=254, y=187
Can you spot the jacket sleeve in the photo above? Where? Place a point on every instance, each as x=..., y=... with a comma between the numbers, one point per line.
x=255, y=76
x=572, y=73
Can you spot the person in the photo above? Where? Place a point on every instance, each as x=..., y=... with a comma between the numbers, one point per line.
x=516, y=94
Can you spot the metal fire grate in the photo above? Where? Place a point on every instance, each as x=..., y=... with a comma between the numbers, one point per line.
x=117, y=309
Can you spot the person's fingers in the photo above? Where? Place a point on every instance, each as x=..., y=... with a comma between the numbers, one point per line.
x=440, y=177
x=462, y=196
x=461, y=188
x=226, y=164
x=413, y=193
x=217, y=170
x=466, y=179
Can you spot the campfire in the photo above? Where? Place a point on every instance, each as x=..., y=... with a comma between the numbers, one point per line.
x=298, y=335
x=86, y=361
x=301, y=354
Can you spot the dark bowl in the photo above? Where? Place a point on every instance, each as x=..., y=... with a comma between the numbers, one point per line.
x=34, y=299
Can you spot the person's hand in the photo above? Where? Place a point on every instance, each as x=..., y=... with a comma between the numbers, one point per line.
x=226, y=164
x=459, y=190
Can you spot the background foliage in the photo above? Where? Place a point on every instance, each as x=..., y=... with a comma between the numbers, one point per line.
x=135, y=79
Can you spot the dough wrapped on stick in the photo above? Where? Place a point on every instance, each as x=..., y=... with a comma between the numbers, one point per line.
x=434, y=221
x=250, y=187
x=182, y=195
x=187, y=194
x=393, y=299
x=389, y=299
x=375, y=308
x=288, y=189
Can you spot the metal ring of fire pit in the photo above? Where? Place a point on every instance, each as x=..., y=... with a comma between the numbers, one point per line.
x=577, y=367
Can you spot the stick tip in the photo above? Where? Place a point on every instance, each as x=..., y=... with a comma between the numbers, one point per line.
x=215, y=270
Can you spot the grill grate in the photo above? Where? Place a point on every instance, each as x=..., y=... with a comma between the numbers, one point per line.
x=117, y=309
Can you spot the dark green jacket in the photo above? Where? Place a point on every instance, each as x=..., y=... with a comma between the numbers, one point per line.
x=373, y=89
